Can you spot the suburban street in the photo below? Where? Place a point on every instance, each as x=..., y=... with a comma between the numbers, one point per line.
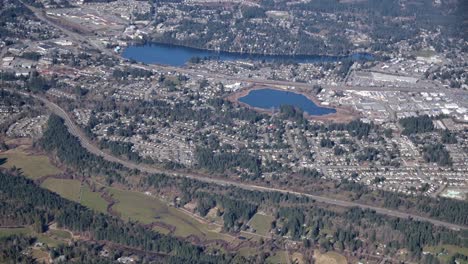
x=217, y=76
x=76, y=131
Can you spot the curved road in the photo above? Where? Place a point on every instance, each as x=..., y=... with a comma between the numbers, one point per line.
x=95, y=150
x=76, y=131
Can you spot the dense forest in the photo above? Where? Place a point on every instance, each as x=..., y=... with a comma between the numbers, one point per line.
x=436, y=153
x=224, y=161
x=301, y=218
x=57, y=138
x=323, y=26
x=414, y=125
x=296, y=217
x=25, y=203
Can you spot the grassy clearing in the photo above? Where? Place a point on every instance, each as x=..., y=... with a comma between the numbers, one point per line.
x=136, y=206
x=40, y=255
x=150, y=209
x=6, y=232
x=69, y=189
x=51, y=242
x=93, y=200
x=445, y=252
x=247, y=251
x=32, y=166
x=329, y=258
x=60, y=234
x=261, y=223
x=298, y=258
x=278, y=257
x=44, y=238
x=161, y=230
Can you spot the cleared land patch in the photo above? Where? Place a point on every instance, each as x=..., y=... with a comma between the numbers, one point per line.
x=247, y=251
x=298, y=258
x=44, y=238
x=329, y=258
x=445, y=252
x=6, y=232
x=261, y=223
x=69, y=189
x=278, y=257
x=146, y=209
x=32, y=166
x=93, y=200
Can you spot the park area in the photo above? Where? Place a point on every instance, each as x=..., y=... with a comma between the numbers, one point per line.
x=151, y=210
x=32, y=165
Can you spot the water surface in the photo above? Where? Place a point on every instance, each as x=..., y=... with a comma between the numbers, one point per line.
x=172, y=55
x=272, y=99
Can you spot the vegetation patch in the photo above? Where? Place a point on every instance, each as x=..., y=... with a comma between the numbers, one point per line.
x=60, y=234
x=40, y=256
x=32, y=166
x=6, y=232
x=329, y=258
x=298, y=258
x=261, y=223
x=278, y=257
x=445, y=252
x=69, y=189
x=43, y=238
x=93, y=200
x=151, y=209
x=247, y=251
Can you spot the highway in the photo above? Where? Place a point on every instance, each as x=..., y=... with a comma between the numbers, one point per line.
x=95, y=150
x=81, y=40
x=85, y=142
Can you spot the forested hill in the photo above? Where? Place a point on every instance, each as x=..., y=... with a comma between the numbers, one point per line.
x=24, y=203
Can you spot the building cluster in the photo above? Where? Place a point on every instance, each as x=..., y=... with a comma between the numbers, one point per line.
x=165, y=116
x=28, y=127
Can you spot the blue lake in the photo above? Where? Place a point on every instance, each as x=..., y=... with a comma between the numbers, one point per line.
x=271, y=98
x=165, y=54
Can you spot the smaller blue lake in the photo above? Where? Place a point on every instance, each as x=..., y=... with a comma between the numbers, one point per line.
x=157, y=53
x=271, y=98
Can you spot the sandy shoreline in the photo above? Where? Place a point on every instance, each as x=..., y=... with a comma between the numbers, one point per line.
x=342, y=114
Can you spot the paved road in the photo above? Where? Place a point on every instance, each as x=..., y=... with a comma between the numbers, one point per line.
x=80, y=39
x=75, y=130
x=93, y=149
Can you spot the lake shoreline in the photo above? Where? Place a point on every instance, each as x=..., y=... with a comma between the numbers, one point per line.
x=342, y=114
x=155, y=53
x=167, y=43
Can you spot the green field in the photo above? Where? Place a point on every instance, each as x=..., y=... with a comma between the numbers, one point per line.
x=32, y=166
x=39, y=255
x=261, y=223
x=69, y=189
x=445, y=252
x=161, y=230
x=329, y=258
x=278, y=257
x=145, y=209
x=247, y=251
x=93, y=200
x=60, y=233
x=6, y=232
